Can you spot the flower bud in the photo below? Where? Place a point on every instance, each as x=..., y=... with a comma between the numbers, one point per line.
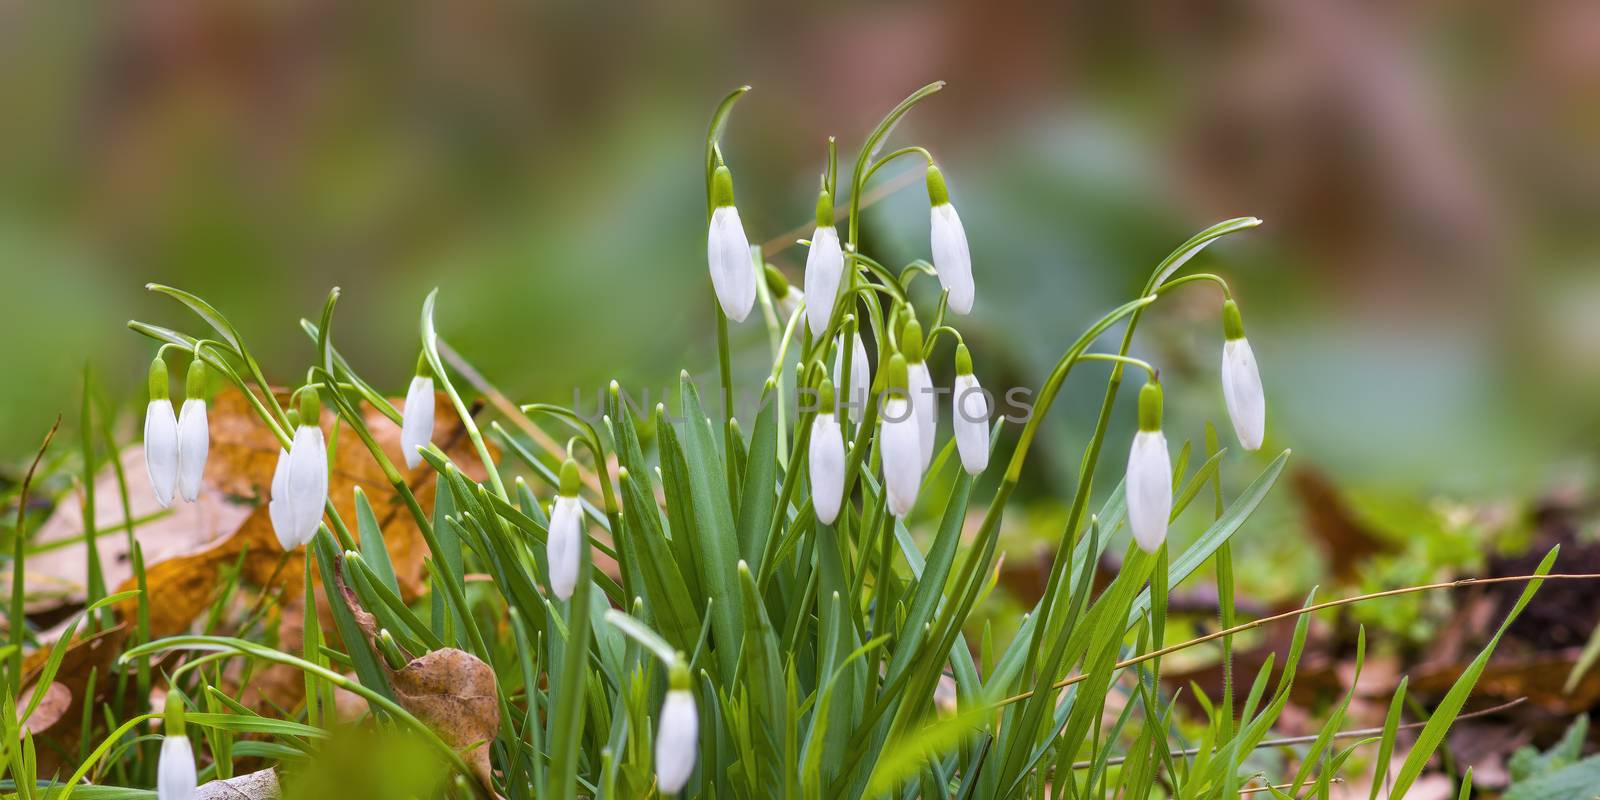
x=161, y=436
x=1148, y=486
x=565, y=534
x=416, y=427
x=858, y=388
x=677, y=734
x=728, y=251
x=919, y=386
x=899, y=443
x=300, y=482
x=826, y=459
x=969, y=409
x=824, y=266
x=194, y=435
x=948, y=240
x=1241, y=381
x=175, y=772
x=785, y=298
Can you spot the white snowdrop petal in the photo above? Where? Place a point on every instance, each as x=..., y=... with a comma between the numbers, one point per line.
x=827, y=467
x=951, y=258
x=194, y=443
x=733, y=274
x=1149, y=489
x=901, y=449
x=970, y=413
x=175, y=773
x=416, y=428
x=824, y=265
x=561, y=548
x=278, y=505
x=161, y=449
x=677, y=740
x=920, y=386
x=1241, y=389
x=860, y=383
x=306, y=484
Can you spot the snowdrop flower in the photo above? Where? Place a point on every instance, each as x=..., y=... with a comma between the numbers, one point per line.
x=859, y=386
x=920, y=386
x=300, y=482
x=678, y=733
x=1241, y=381
x=732, y=271
x=175, y=773
x=161, y=436
x=969, y=408
x=948, y=240
x=566, y=534
x=899, y=443
x=1149, y=481
x=824, y=265
x=827, y=459
x=416, y=427
x=785, y=298
x=194, y=434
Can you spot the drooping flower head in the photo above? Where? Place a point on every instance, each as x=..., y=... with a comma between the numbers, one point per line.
x=1241, y=381
x=969, y=409
x=175, y=773
x=565, y=534
x=826, y=463
x=948, y=241
x=1149, y=481
x=161, y=436
x=857, y=386
x=677, y=732
x=194, y=434
x=899, y=443
x=416, y=427
x=300, y=482
x=824, y=266
x=919, y=385
x=728, y=251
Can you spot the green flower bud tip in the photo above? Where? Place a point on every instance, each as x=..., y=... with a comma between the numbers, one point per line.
x=1232, y=322
x=391, y=650
x=424, y=369
x=174, y=713
x=938, y=194
x=963, y=360
x=776, y=283
x=824, y=210
x=194, y=383
x=911, y=341
x=825, y=395
x=158, y=379
x=1150, y=406
x=623, y=474
x=722, y=187
x=895, y=374
x=569, y=478
x=310, y=408
x=678, y=675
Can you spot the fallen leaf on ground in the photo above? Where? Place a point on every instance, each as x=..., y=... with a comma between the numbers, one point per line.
x=261, y=785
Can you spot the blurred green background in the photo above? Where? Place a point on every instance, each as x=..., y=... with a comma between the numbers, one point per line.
x=1424, y=298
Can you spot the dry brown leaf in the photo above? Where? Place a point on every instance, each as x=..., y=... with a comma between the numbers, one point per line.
x=88, y=655
x=261, y=785
x=51, y=709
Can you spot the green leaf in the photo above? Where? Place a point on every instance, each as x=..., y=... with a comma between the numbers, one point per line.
x=715, y=540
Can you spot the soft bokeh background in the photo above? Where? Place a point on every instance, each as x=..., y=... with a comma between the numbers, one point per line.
x=1424, y=298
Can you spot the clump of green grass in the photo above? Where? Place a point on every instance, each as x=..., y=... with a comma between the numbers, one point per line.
x=773, y=627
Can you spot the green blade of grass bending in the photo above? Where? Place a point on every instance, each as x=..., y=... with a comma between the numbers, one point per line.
x=1433, y=733
x=1391, y=728
x=374, y=551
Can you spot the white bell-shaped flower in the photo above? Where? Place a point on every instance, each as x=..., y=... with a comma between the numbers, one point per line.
x=824, y=266
x=1241, y=381
x=948, y=241
x=416, y=426
x=278, y=505
x=175, y=772
x=1148, y=487
x=677, y=734
x=969, y=406
x=161, y=436
x=919, y=384
x=899, y=443
x=562, y=546
x=733, y=273
x=194, y=433
x=826, y=458
x=858, y=389
x=304, y=477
